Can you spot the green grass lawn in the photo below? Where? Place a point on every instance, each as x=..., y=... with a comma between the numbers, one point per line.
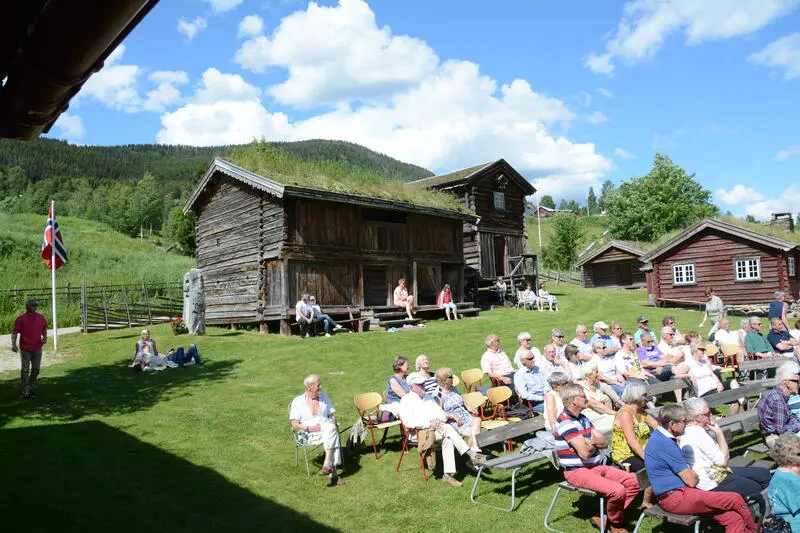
x=209, y=448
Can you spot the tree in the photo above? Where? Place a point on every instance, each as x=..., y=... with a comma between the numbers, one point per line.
x=563, y=205
x=179, y=228
x=751, y=218
x=562, y=251
x=547, y=201
x=591, y=202
x=667, y=198
x=606, y=190
x=573, y=207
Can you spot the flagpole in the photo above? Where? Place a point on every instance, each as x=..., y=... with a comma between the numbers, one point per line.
x=53, y=272
x=539, y=219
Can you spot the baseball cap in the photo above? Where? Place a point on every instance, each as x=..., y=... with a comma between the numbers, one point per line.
x=641, y=318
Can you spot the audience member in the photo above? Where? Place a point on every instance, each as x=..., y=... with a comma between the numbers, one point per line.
x=530, y=383
x=312, y=415
x=668, y=347
x=704, y=380
x=581, y=340
x=630, y=432
x=524, y=341
x=601, y=334
x=495, y=362
x=402, y=299
x=557, y=337
x=578, y=445
x=677, y=339
x=304, y=316
x=572, y=365
x=674, y=482
x=553, y=404
x=544, y=297
x=705, y=450
x=715, y=310
x=724, y=335
x=599, y=406
x=548, y=363
x=397, y=387
x=328, y=324
x=643, y=327
x=419, y=413
x=653, y=360
x=183, y=358
x=755, y=343
x=795, y=333
x=744, y=329
x=774, y=415
x=501, y=288
x=422, y=367
x=780, y=340
x=146, y=339
x=607, y=365
x=784, y=488
x=779, y=308
x=628, y=363
x=467, y=423
x=445, y=301
x=616, y=333
x=529, y=298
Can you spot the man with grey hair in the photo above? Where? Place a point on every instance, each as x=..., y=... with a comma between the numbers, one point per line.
x=530, y=382
x=31, y=327
x=524, y=340
x=581, y=340
x=781, y=341
x=304, y=315
x=312, y=416
x=419, y=413
x=774, y=415
x=578, y=445
x=674, y=482
x=755, y=343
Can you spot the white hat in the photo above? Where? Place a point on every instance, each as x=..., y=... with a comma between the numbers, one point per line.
x=416, y=378
x=601, y=325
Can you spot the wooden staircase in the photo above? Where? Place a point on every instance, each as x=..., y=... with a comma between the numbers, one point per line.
x=388, y=316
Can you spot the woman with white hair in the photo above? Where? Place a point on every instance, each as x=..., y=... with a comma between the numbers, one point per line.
x=784, y=488
x=553, y=404
x=630, y=432
x=705, y=449
x=467, y=422
x=524, y=340
x=312, y=416
x=422, y=366
x=600, y=409
x=703, y=377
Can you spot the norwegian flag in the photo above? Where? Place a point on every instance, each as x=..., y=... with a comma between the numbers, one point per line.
x=48, y=244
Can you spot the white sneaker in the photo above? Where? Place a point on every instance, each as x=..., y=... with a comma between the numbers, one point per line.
x=338, y=326
x=327, y=334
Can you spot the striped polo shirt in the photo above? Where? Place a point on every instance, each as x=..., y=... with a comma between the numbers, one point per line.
x=568, y=427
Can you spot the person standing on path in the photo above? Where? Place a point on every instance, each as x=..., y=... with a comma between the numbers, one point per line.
x=32, y=330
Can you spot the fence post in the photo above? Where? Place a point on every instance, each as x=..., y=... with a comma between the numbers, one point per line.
x=84, y=307
x=147, y=299
x=105, y=309
x=127, y=309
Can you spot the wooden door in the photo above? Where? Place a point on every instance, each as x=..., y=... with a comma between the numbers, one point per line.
x=499, y=255
x=375, y=286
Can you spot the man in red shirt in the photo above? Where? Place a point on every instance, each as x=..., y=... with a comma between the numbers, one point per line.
x=32, y=329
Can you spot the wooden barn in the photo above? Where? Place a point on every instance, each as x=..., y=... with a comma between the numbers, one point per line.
x=615, y=264
x=497, y=244
x=741, y=264
x=262, y=244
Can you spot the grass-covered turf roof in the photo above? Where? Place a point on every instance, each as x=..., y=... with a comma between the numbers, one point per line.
x=272, y=163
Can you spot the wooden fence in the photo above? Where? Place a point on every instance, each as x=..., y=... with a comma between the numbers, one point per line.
x=559, y=276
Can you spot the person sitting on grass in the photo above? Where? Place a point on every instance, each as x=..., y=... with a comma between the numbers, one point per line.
x=182, y=358
x=631, y=429
x=468, y=423
x=784, y=488
x=578, y=445
x=705, y=449
x=145, y=339
x=328, y=324
x=496, y=364
x=674, y=482
x=755, y=343
x=402, y=299
x=312, y=415
x=530, y=383
x=774, y=416
x=418, y=413
x=445, y=301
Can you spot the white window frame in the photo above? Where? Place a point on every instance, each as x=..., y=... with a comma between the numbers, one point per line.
x=499, y=200
x=791, y=267
x=684, y=274
x=743, y=269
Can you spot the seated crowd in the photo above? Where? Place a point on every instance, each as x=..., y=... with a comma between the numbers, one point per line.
x=593, y=395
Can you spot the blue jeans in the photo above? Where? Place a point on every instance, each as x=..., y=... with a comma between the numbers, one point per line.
x=181, y=358
x=617, y=388
x=327, y=322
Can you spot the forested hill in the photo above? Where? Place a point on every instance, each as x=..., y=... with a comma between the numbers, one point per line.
x=47, y=158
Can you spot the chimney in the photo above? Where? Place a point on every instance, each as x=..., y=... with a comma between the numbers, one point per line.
x=783, y=221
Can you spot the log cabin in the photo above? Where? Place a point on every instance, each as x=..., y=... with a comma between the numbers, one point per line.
x=742, y=264
x=497, y=244
x=261, y=244
x=614, y=265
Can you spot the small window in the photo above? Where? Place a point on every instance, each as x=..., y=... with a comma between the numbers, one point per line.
x=499, y=201
x=747, y=269
x=683, y=274
x=791, y=267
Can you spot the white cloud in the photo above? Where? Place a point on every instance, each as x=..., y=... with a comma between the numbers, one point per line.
x=787, y=201
x=223, y=6
x=605, y=92
x=623, y=154
x=115, y=84
x=786, y=153
x=190, y=28
x=645, y=24
x=597, y=117
x=70, y=126
x=251, y=26
x=166, y=93
x=783, y=53
x=337, y=53
x=739, y=194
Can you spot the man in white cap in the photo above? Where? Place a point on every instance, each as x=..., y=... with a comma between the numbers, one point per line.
x=416, y=413
x=601, y=334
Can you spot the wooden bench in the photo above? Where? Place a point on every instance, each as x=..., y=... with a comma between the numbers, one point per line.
x=510, y=431
x=356, y=322
x=656, y=511
x=663, y=387
x=677, y=301
x=512, y=461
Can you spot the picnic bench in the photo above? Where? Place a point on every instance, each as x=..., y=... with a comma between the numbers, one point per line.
x=677, y=301
x=342, y=315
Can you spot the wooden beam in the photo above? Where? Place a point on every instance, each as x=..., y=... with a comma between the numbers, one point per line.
x=510, y=431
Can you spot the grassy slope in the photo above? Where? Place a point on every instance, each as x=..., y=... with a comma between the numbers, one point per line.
x=95, y=251
x=208, y=448
x=593, y=228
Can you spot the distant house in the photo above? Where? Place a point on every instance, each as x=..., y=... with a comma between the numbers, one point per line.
x=543, y=211
x=615, y=264
x=261, y=244
x=742, y=264
x=495, y=191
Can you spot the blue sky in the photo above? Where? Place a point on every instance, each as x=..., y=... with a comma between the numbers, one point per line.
x=570, y=93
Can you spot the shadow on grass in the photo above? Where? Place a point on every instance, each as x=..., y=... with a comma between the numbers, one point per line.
x=105, y=390
x=89, y=476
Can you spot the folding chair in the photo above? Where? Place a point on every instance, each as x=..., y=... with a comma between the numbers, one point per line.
x=367, y=406
x=301, y=442
x=472, y=378
x=497, y=397
x=565, y=485
x=730, y=354
x=406, y=442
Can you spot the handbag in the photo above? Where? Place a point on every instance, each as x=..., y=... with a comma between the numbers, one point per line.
x=776, y=525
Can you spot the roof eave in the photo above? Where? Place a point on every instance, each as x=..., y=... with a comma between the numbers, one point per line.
x=241, y=174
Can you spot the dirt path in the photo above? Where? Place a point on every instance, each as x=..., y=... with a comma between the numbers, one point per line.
x=10, y=360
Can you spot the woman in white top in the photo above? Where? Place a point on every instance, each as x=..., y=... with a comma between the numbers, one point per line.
x=706, y=452
x=704, y=376
x=553, y=405
x=312, y=416
x=600, y=405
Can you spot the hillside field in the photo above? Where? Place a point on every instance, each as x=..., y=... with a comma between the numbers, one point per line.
x=593, y=228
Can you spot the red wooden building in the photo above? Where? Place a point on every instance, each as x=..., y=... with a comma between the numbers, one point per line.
x=616, y=264
x=742, y=265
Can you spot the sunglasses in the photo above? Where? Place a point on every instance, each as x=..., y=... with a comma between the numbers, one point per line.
x=558, y=336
